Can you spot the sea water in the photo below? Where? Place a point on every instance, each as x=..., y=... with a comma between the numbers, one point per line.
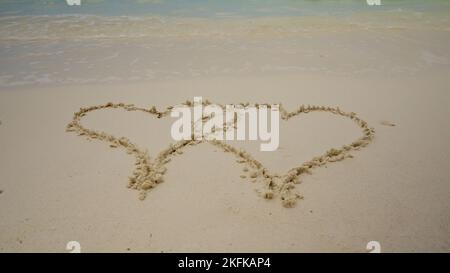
x=211, y=8
x=49, y=42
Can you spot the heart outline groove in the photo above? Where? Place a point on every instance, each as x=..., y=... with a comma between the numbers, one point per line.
x=149, y=173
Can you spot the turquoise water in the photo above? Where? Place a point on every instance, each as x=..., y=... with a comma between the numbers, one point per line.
x=213, y=8
x=47, y=42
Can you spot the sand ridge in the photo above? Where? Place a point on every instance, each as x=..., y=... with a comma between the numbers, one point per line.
x=148, y=173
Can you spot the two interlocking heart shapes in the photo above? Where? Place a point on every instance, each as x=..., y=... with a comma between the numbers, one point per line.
x=150, y=172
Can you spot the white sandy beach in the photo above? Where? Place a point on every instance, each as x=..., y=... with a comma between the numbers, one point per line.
x=57, y=187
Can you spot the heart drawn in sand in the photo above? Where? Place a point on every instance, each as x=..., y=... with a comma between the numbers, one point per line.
x=150, y=172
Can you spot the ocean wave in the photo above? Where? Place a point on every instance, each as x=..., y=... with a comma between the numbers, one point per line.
x=73, y=49
x=24, y=28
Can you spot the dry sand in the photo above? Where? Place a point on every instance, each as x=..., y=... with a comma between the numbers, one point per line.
x=149, y=172
x=391, y=68
x=58, y=187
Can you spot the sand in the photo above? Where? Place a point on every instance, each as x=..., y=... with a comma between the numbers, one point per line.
x=58, y=187
x=150, y=172
x=112, y=181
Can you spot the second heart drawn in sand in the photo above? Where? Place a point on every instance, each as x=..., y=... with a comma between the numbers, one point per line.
x=150, y=172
